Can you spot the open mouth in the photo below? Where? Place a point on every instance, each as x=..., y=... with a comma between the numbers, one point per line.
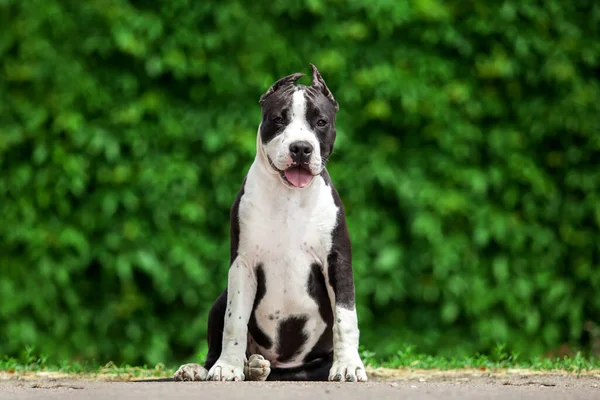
x=296, y=176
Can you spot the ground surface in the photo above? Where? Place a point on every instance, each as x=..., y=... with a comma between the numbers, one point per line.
x=385, y=384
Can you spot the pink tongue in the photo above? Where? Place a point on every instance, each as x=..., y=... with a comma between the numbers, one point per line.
x=298, y=177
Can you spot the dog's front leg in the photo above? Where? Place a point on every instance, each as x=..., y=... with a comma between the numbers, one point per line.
x=347, y=365
x=241, y=290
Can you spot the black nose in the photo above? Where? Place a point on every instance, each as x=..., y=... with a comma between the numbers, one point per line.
x=301, y=151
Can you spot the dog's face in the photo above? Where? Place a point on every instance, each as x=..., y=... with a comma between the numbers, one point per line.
x=297, y=131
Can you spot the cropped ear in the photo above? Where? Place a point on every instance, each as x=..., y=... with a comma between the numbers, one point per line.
x=319, y=83
x=288, y=80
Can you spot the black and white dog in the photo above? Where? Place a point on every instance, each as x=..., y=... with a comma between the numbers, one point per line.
x=288, y=312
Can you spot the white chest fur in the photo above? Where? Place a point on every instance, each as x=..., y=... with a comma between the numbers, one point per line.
x=286, y=231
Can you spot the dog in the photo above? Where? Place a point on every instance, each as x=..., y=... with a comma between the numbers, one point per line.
x=288, y=312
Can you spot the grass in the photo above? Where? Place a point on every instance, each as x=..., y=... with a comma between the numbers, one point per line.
x=30, y=362
x=499, y=359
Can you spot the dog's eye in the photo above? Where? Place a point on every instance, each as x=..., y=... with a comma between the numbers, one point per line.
x=321, y=122
x=278, y=120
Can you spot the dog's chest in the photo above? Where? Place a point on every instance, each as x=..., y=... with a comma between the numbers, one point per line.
x=283, y=227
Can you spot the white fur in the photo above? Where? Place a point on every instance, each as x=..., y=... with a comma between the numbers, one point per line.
x=278, y=149
x=241, y=292
x=346, y=360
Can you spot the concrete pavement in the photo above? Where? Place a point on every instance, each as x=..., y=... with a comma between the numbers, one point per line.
x=515, y=387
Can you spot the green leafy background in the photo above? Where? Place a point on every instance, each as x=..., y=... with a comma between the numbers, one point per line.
x=468, y=159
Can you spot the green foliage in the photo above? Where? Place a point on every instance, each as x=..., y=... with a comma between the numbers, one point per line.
x=468, y=140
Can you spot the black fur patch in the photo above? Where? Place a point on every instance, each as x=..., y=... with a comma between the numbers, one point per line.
x=291, y=337
x=339, y=259
x=259, y=336
x=317, y=289
x=318, y=108
x=234, y=224
x=277, y=105
x=214, y=333
x=317, y=370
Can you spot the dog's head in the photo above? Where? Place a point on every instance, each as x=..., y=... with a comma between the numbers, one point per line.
x=297, y=131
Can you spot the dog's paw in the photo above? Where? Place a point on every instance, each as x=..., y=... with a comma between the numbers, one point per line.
x=226, y=371
x=348, y=370
x=257, y=368
x=190, y=372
